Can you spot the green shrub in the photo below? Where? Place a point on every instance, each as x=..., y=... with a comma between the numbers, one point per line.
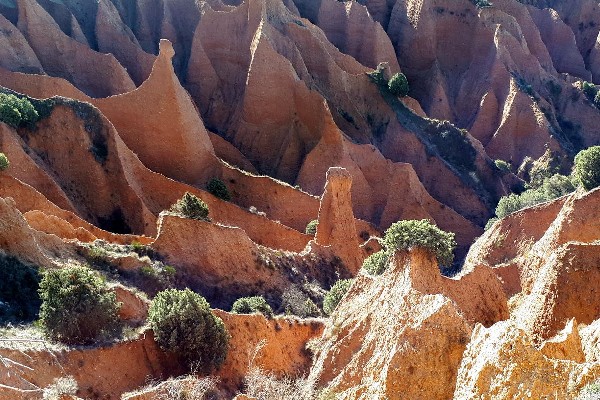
x=4, y=163
x=502, y=165
x=335, y=294
x=587, y=167
x=217, y=188
x=16, y=112
x=557, y=185
x=590, y=91
x=184, y=324
x=422, y=233
x=481, y=3
x=376, y=263
x=311, y=227
x=250, y=305
x=490, y=222
x=190, y=206
x=19, y=283
x=551, y=188
x=398, y=85
x=77, y=305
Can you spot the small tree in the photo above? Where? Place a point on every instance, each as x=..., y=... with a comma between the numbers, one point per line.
x=217, y=188
x=16, y=111
x=190, y=206
x=4, y=163
x=311, y=227
x=77, y=305
x=422, y=233
x=587, y=167
x=184, y=324
x=376, y=263
x=398, y=85
x=335, y=294
x=250, y=305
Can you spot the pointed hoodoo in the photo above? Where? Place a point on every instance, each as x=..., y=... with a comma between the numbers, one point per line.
x=160, y=123
x=336, y=220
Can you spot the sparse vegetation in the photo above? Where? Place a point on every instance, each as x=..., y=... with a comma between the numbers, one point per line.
x=77, y=305
x=217, y=188
x=587, y=167
x=190, y=206
x=250, y=305
x=17, y=111
x=184, y=324
x=19, y=283
x=311, y=227
x=421, y=233
x=376, y=263
x=335, y=294
x=452, y=144
x=4, y=163
x=398, y=85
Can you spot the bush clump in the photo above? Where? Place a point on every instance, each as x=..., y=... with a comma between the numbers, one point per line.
x=376, y=263
x=190, y=206
x=398, y=85
x=217, y=188
x=403, y=235
x=16, y=112
x=184, y=324
x=335, y=294
x=551, y=188
x=250, y=305
x=19, y=284
x=587, y=167
x=311, y=227
x=481, y=3
x=502, y=165
x=4, y=163
x=77, y=307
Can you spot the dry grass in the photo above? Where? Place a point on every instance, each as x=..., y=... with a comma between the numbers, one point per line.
x=264, y=385
x=60, y=387
x=182, y=388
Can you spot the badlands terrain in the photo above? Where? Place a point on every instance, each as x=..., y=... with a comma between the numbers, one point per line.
x=284, y=107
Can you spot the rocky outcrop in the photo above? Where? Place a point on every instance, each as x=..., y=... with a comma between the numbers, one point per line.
x=17, y=238
x=208, y=253
x=501, y=362
x=336, y=227
x=160, y=110
x=102, y=371
x=368, y=351
x=274, y=345
x=381, y=201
